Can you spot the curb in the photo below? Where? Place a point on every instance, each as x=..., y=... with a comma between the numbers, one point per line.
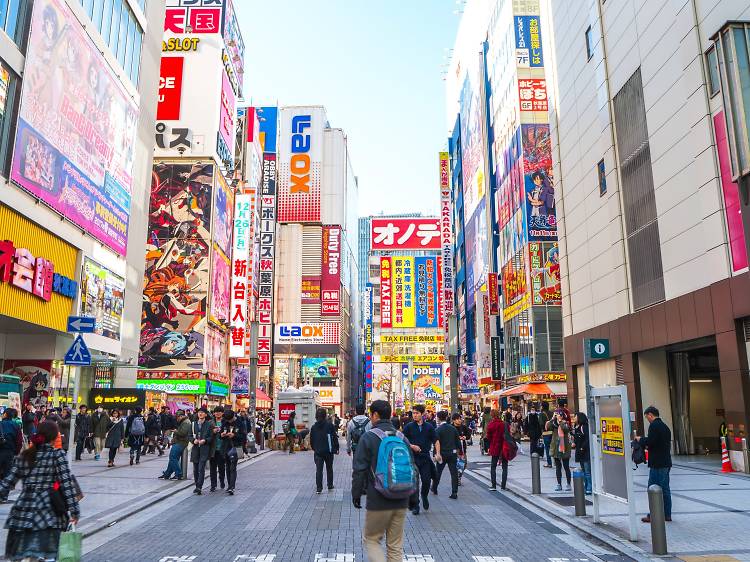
x=180, y=485
x=617, y=543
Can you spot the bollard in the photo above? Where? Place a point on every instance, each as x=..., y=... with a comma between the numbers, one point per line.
x=745, y=455
x=579, y=492
x=658, y=526
x=536, y=479
x=184, y=464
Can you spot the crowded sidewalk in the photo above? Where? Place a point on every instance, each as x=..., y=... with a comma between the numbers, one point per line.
x=711, y=510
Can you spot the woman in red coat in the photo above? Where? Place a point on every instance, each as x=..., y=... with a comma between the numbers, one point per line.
x=496, y=439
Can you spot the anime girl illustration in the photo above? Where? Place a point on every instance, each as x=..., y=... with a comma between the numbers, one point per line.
x=36, y=392
x=161, y=347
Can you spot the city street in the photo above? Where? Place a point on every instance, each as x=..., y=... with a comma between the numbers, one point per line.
x=275, y=516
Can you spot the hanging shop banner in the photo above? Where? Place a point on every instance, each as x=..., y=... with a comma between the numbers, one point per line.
x=446, y=234
x=386, y=296
x=227, y=118
x=515, y=286
x=532, y=93
x=75, y=143
x=322, y=333
x=528, y=42
x=242, y=242
x=426, y=288
x=169, y=375
x=472, y=147
x=121, y=398
x=311, y=289
x=404, y=304
x=496, y=359
x=266, y=260
x=240, y=379
x=102, y=298
x=405, y=234
x=234, y=43
x=220, y=289
x=421, y=338
x=493, y=294
x=319, y=367
x=330, y=279
x=221, y=230
x=540, y=189
x=544, y=258
x=486, y=317
x=300, y=163
x=216, y=365
x=467, y=378
x=368, y=306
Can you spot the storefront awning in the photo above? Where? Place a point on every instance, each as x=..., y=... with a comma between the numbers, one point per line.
x=262, y=400
x=528, y=388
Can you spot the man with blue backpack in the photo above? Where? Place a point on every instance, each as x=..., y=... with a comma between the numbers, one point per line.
x=383, y=469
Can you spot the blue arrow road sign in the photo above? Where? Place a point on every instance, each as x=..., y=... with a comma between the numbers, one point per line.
x=78, y=354
x=81, y=324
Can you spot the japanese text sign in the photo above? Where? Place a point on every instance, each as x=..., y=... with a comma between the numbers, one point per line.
x=330, y=283
x=405, y=234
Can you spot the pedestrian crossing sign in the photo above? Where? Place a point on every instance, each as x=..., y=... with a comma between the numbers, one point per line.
x=78, y=354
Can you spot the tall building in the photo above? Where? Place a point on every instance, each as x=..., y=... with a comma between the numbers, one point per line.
x=76, y=139
x=316, y=293
x=651, y=223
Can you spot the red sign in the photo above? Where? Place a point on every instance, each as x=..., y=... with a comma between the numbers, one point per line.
x=199, y=20
x=386, y=320
x=285, y=410
x=405, y=234
x=35, y=275
x=486, y=306
x=330, y=279
x=170, y=88
x=494, y=297
x=310, y=289
x=532, y=94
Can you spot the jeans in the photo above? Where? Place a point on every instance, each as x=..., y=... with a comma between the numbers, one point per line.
x=547, y=442
x=559, y=465
x=320, y=460
x=199, y=473
x=388, y=522
x=175, y=459
x=136, y=451
x=451, y=461
x=493, y=471
x=217, y=468
x=231, y=464
x=586, y=467
x=112, y=453
x=660, y=477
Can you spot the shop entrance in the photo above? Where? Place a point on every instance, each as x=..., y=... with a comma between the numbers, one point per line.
x=697, y=404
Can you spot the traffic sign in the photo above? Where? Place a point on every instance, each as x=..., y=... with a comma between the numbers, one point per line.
x=598, y=349
x=78, y=354
x=81, y=324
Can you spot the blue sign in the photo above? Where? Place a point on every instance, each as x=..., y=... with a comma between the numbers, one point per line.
x=427, y=292
x=528, y=42
x=81, y=324
x=78, y=354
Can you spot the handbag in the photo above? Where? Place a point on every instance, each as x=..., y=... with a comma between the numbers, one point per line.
x=70, y=545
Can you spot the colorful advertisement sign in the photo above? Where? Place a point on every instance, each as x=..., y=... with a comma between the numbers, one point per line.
x=493, y=294
x=368, y=306
x=266, y=260
x=216, y=356
x=428, y=381
x=472, y=151
x=241, y=270
x=528, y=42
x=319, y=367
x=515, y=286
x=223, y=203
x=75, y=142
x=170, y=88
x=227, y=114
x=405, y=234
x=539, y=183
x=532, y=95
x=330, y=279
x=544, y=260
x=173, y=386
x=416, y=338
x=311, y=289
x=234, y=43
x=300, y=163
x=467, y=379
x=124, y=398
x=200, y=16
x=240, y=379
x=321, y=333
x=613, y=438
x=386, y=296
x=427, y=289
x=175, y=294
x=404, y=302
x=446, y=235
x=102, y=298
x=221, y=277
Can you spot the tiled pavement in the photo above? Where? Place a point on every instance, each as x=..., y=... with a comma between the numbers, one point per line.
x=275, y=516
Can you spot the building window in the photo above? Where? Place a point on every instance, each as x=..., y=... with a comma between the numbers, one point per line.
x=8, y=96
x=602, y=173
x=13, y=19
x=712, y=61
x=589, y=44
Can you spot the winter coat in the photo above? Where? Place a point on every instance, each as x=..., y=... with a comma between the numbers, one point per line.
x=184, y=433
x=64, y=426
x=323, y=438
x=99, y=424
x=554, y=451
x=217, y=443
x=153, y=426
x=115, y=434
x=134, y=440
x=83, y=426
x=581, y=440
x=496, y=437
x=12, y=434
x=201, y=453
x=28, y=419
x=237, y=426
x=32, y=509
x=659, y=444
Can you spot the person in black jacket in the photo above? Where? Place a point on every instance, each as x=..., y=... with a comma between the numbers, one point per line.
x=582, y=447
x=83, y=430
x=153, y=433
x=658, y=442
x=384, y=516
x=234, y=434
x=324, y=441
x=421, y=436
x=450, y=450
x=203, y=434
x=12, y=442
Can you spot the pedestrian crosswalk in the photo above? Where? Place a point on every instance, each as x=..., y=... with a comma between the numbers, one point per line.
x=350, y=557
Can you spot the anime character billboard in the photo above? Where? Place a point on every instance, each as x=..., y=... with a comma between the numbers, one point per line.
x=539, y=183
x=177, y=267
x=223, y=205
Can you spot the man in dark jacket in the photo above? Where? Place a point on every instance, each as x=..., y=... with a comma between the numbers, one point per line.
x=234, y=434
x=450, y=450
x=153, y=432
x=203, y=434
x=659, y=445
x=28, y=419
x=216, y=453
x=10, y=441
x=422, y=437
x=83, y=430
x=384, y=516
x=532, y=429
x=99, y=427
x=324, y=441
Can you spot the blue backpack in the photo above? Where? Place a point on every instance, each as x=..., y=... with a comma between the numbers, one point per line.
x=395, y=472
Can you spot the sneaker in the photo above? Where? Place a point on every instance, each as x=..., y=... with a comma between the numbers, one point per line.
x=667, y=519
x=415, y=511
x=131, y=461
x=330, y=488
x=492, y=488
x=163, y=477
x=434, y=490
x=196, y=491
x=96, y=457
x=213, y=489
x=318, y=491
x=453, y=496
x=199, y=492
x=558, y=488
x=175, y=477
x=567, y=487
x=426, y=503
x=230, y=492
x=647, y=519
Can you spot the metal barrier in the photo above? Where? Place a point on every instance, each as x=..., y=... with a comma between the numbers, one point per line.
x=658, y=525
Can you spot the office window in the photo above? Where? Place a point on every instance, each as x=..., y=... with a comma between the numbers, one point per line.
x=12, y=14
x=106, y=19
x=589, y=44
x=136, y=67
x=602, y=173
x=114, y=28
x=88, y=7
x=712, y=62
x=122, y=42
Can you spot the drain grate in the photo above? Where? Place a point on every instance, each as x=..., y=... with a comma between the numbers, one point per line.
x=567, y=501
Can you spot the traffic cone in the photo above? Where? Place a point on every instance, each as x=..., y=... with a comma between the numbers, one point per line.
x=726, y=464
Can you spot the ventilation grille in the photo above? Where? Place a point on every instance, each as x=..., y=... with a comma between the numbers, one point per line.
x=619, y=371
x=746, y=328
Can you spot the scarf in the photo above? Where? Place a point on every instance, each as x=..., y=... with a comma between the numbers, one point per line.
x=561, y=439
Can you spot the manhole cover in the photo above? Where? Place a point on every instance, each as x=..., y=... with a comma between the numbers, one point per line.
x=568, y=501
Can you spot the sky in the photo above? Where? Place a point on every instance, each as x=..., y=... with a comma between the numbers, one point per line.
x=377, y=68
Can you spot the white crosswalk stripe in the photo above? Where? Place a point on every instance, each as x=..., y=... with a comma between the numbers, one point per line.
x=259, y=558
x=418, y=558
x=338, y=557
x=492, y=559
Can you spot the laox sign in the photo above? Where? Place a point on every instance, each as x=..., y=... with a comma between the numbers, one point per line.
x=300, y=162
x=301, y=331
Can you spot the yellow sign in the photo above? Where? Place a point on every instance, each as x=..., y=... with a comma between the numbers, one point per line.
x=515, y=309
x=613, y=440
x=546, y=377
x=404, y=306
x=436, y=358
x=424, y=338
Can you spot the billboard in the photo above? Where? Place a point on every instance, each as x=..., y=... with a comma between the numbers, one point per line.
x=330, y=279
x=319, y=367
x=493, y=294
x=320, y=333
x=446, y=234
x=516, y=295
x=221, y=277
x=269, y=128
x=528, y=42
x=300, y=163
x=386, y=293
x=227, y=116
x=404, y=304
x=427, y=289
x=310, y=290
x=177, y=267
x=428, y=381
x=544, y=261
x=200, y=16
x=405, y=234
x=242, y=242
x=240, y=379
x=266, y=256
x=467, y=379
x=222, y=225
x=539, y=183
x=472, y=150
x=170, y=88
x=75, y=142
x=368, y=306
x=102, y=298
x=216, y=356
x=234, y=43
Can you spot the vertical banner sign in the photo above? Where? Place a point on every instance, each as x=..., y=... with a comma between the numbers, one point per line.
x=386, y=293
x=446, y=234
x=496, y=359
x=440, y=300
x=300, y=152
x=494, y=296
x=266, y=259
x=404, y=305
x=426, y=292
x=368, y=338
x=486, y=315
x=241, y=243
x=330, y=279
